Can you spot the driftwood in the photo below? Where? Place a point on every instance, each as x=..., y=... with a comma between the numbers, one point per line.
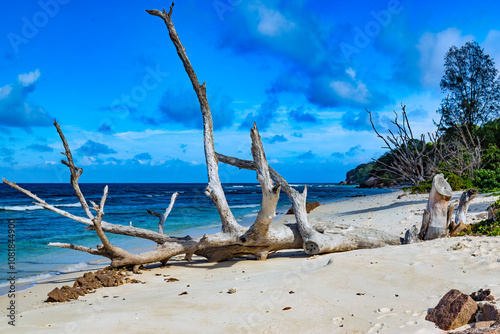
x=259, y=240
x=436, y=216
x=163, y=217
x=463, y=207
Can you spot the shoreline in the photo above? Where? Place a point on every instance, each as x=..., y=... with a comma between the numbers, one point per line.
x=139, y=245
x=388, y=289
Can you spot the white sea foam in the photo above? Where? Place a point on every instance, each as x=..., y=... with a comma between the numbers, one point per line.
x=21, y=208
x=74, y=267
x=30, y=279
x=243, y=206
x=35, y=207
x=72, y=205
x=36, y=278
x=208, y=226
x=238, y=186
x=252, y=214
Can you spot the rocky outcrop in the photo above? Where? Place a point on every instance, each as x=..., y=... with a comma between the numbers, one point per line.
x=309, y=207
x=457, y=309
x=481, y=295
x=490, y=313
x=372, y=182
x=454, y=310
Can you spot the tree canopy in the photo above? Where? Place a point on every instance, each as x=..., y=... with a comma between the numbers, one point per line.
x=473, y=85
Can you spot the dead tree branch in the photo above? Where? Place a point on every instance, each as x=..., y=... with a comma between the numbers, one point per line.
x=163, y=217
x=260, y=239
x=408, y=153
x=214, y=188
x=459, y=151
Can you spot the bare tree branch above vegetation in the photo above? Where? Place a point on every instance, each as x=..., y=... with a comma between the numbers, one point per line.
x=409, y=153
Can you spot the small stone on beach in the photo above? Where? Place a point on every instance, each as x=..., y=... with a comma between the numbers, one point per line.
x=171, y=279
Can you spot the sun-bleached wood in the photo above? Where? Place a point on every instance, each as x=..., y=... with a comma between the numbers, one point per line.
x=163, y=216
x=270, y=192
x=261, y=239
x=434, y=225
x=463, y=206
x=319, y=241
x=214, y=188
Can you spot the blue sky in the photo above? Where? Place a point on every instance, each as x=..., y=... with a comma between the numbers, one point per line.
x=304, y=71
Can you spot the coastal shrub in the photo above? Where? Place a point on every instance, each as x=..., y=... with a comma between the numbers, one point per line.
x=487, y=227
x=496, y=204
x=491, y=157
x=458, y=183
x=487, y=180
x=424, y=187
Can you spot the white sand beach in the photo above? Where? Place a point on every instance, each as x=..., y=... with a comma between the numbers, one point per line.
x=384, y=290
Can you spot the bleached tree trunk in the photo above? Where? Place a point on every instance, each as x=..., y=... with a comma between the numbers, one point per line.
x=316, y=241
x=260, y=239
x=463, y=206
x=434, y=222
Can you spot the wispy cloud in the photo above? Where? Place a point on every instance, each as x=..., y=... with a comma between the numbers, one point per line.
x=306, y=156
x=275, y=139
x=92, y=149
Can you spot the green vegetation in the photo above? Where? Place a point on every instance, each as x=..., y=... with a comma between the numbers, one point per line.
x=487, y=227
x=423, y=187
x=458, y=183
x=471, y=80
x=466, y=145
x=360, y=174
x=488, y=178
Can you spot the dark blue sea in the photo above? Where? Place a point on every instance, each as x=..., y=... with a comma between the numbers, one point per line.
x=193, y=214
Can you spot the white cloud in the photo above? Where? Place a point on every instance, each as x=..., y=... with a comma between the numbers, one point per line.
x=355, y=92
x=272, y=23
x=491, y=46
x=433, y=48
x=351, y=73
x=28, y=78
x=5, y=91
